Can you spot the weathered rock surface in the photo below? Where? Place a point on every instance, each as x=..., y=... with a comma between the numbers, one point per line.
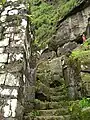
x=71, y=29
x=14, y=95
x=82, y=56
x=66, y=48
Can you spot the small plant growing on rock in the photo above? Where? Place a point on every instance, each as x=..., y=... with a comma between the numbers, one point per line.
x=75, y=111
x=33, y=114
x=85, y=102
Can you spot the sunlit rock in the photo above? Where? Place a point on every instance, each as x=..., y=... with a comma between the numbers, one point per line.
x=24, y=23
x=2, y=78
x=4, y=42
x=12, y=80
x=2, y=50
x=8, y=92
x=4, y=13
x=13, y=12
x=10, y=107
x=3, y=18
x=3, y=58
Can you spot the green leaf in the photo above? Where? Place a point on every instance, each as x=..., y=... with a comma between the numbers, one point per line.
x=2, y=2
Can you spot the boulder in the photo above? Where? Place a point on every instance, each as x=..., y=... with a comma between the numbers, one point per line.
x=66, y=47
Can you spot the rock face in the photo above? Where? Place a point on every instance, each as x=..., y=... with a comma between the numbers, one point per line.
x=67, y=37
x=14, y=95
x=66, y=48
x=71, y=73
x=71, y=29
x=81, y=55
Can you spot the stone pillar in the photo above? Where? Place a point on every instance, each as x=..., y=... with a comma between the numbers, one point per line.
x=71, y=73
x=13, y=35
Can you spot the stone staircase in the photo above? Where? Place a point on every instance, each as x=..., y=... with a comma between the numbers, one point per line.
x=53, y=108
x=51, y=101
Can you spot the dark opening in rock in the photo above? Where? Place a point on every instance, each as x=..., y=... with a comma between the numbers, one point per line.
x=55, y=84
x=41, y=96
x=37, y=78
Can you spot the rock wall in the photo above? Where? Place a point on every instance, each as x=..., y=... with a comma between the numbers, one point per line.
x=71, y=29
x=13, y=34
x=67, y=38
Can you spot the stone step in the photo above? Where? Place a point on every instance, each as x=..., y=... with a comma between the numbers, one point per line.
x=58, y=93
x=67, y=117
x=50, y=105
x=51, y=112
x=40, y=87
x=58, y=98
x=57, y=89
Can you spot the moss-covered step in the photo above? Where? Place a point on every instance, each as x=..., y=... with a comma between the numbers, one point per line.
x=57, y=89
x=50, y=105
x=58, y=93
x=51, y=112
x=40, y=87
x=67, y=117
x=58, y=98
x=45, y=78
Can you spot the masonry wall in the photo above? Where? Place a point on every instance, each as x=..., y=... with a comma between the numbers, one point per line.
x=13, y=24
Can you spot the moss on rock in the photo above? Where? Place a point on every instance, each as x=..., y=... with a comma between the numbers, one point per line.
x=82, y=53
x=86, y=113
x=46, y=15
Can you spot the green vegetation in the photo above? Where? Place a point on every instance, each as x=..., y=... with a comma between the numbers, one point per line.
x=85, y=114
x=80, y=110
x=82, y=53
x=34, y=113
x=85, y=102
x=46, y=15
x=86, y=77
x=2, y=2
x=75, y=111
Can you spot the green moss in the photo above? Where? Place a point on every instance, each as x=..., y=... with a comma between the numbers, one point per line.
x=82, y=53
x=86, y=114
x=84, y=103
x=86, y=44
x=80, y=110
x=75, y=111
x=2, y=2
x=86, y=77
x=83, y=56
x=33, y=114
